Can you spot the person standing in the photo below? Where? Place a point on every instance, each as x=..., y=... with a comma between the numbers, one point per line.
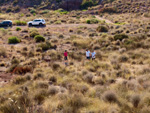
x=88, y=54
x=66, y=57
x=93, y=54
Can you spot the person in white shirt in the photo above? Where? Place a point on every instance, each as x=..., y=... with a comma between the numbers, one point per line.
x=93, y=54
x=88, y=54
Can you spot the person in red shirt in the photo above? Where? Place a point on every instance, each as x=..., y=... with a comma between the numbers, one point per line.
x=66, y=57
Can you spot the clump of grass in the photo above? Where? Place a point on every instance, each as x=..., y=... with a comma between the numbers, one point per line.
x=102, y=29
x=123, y=58
x=61, y=36
x=40, y=96
x=76, y=56
x=53, y=90
x=13, y=40
x=56, y=66
x=42, y=84
x=135, y=99
x=38, y=76
x=53, y=79
x=33, y=33
x=19, y=80
x=92, y=21
x=18, y=29
x=3, y=52
x=24, y=100
x=39, y=38
x=12, y=107
x=110, y=96
x=88, y=78
x=46, y=46
x=120, y=37
x=18, y=22
x=81, y=43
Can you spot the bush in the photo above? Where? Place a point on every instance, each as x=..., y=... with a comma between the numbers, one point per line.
x=88, y=78
x=12, y=107
x=102, y=29
x=18, y=22
x=61, y=36
x=32, y=11
x=110, y=96
x=76, y=102
x=61, y=11
x=34, y=33
x=92, y=21
x=15, y=61
x=3, y=52
x=39, y=38
x=120, y=37
x=40, y=96
x=108, y=10
x=87, y=3
x=56, y=66
x=13, y=40
x=53, y=79
x=19, y=80
x=53, y=90
x=42, y=84
x=123, y=58
x=18, y=29
x=45, y=46
x=135, y=99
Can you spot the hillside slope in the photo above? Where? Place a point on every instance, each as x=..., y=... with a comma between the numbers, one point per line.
x=50, y=4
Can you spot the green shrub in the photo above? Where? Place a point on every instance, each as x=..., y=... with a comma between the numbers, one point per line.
x=13, y=40
x=87, y=3
x=34, y=33
x=120, y=37
x=45, y=46
x=102, y=29
x=92, y=21
x=18, y=22
x=18, y=29
x=32, y=11
x=39, y=38
x=45, y=12
x=61, y=11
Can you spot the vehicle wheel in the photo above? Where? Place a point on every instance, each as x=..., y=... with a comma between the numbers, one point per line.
x=30, y=24
x=40, y=24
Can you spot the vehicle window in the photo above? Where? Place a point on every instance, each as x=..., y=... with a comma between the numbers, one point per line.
x=4, y=22
x=36, y=20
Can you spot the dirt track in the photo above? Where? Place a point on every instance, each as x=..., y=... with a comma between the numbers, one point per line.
x=71, y=25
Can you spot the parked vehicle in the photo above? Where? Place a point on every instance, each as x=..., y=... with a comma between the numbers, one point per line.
x=6, y=23
x=37, y=22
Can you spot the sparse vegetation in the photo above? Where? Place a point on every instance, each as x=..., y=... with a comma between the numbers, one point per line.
x=35, y=78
